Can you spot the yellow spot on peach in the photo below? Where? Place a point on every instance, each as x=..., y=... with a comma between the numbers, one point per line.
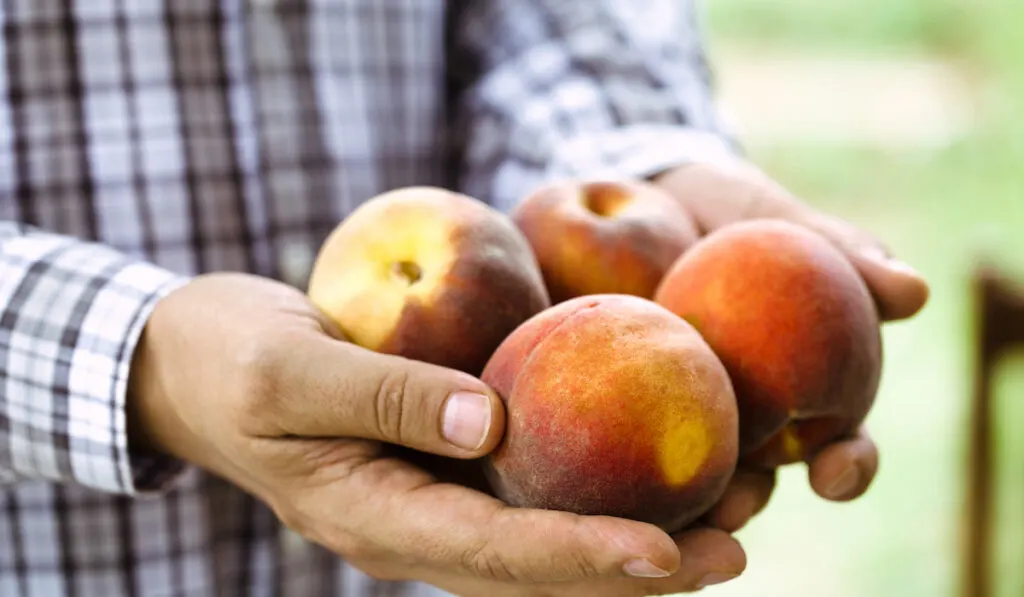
x=685, y=446
x=389, y=253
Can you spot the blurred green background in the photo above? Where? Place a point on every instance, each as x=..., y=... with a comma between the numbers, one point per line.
x=908, y=119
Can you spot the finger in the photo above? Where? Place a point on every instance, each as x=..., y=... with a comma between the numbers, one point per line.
x=336, y=389
x=901, y=292
x=718, y=196
x=842, y=471
x=747, y=494
x=454, y=530
x=707, y=557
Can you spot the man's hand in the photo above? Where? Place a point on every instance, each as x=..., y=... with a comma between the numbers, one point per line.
x=243, y=377
x=719, y=195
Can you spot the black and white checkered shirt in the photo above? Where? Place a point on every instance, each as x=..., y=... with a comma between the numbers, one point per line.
x=145, y=141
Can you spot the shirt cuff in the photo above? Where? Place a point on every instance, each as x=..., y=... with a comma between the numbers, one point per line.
x=143, y=474
x=71, y=316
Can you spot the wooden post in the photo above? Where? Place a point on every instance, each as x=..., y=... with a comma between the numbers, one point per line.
x=999, y=327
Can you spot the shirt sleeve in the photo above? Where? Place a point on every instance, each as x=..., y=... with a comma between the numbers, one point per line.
x=71, y=313
x=602, y=88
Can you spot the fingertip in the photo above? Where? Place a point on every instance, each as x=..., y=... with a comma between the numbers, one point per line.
x=571, y=547
x=644, y=547
x=707, y=553
x=496, y=431
x=473, y=422
x=843, y=471
x=916, y=296
x=900, y=290
x=496, y=415
x=707, y=557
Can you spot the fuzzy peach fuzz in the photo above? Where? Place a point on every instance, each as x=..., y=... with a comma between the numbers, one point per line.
x=428, y=274
x=603, y=237
x=795, y=326
x=614, y=406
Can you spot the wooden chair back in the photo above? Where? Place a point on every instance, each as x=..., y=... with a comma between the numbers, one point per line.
x=998, y=329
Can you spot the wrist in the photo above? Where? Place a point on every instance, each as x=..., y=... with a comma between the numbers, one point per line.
x=148, y=407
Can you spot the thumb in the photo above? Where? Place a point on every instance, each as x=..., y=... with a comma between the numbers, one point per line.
x=354, y=392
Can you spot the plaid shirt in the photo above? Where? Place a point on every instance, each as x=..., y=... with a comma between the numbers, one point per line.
x=145, y=141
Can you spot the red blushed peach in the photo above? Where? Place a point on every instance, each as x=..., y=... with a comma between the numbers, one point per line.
x=614, y=407
x=604, y=237
x=795, y=326
x=428, y=274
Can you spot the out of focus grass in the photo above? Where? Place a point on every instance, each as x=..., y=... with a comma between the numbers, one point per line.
x=941, y=209
x=870, y=27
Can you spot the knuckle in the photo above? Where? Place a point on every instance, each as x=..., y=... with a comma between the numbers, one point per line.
x=488, y=563
x=390, y=405
x=578, y=565
x=487, y=560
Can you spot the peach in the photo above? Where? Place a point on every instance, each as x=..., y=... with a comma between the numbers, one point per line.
x=795, y=326
x=428, y=274
x=616, y=407
x=604, y=237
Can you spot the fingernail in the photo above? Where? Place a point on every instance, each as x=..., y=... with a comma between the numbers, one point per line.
x=643, y=568
x=903, y=267
x=880, y=256
x=715, y=578
x=844, y=484
x=875, y=254
x=467, y=419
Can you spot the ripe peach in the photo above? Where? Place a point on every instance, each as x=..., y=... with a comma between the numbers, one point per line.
x=795, y=326
x=614, y=407
x=604, y=237
x=428, y=274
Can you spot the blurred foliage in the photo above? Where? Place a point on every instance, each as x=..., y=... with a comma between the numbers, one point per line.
x=943, y=26
x=941, y=209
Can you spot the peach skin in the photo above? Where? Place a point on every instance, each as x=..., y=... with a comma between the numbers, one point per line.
x=604, y=237
x=428, y=274
x=795, y=326
x=614, y=407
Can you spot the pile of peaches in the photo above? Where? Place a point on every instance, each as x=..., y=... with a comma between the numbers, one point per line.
x=639, y=362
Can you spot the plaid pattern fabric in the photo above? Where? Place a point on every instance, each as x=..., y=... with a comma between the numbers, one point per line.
x=145, y=141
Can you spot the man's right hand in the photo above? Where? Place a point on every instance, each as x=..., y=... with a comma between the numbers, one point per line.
x=243, y=377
